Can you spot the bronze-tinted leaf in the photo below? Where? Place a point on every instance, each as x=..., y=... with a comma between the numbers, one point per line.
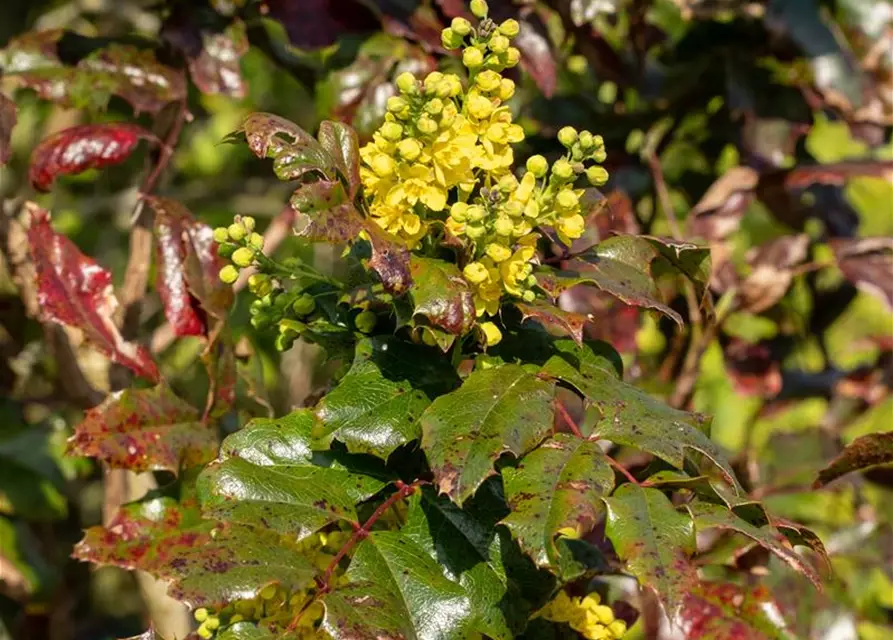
x=294, y=151
x=868, y=451
x=7, y=122
x=87, y=146
x=340, y=141
x=554, y=318
x=441, y=295
x=771, y=271
x=188, y=265
x=867, y=263
x=145, y=429
x=75, y=291
x=216, y=69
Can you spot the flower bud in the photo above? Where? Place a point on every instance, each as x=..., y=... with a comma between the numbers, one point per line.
x=409, y=149
x=479, y=106
x=365, y=321
x=475, y=272
x=248, y=222
x=236, y=232
x=259, y=284
x=383, y=165
x=491, y=333
x=396, y=104
x=511, y=57
x=472, y=57
x=201, y=614
x=304, y=305
x=221, y=235
x=499, y=44
x=488, y=80
x=507, y=183
x=391, y=131
x=228, y=274
x=567, y=136
x=537, y=165
x=587, y=140
x=243, y=257
x=457, y=211
x=256, y=240
x=432, y=80
x=503, y=226
x=475, y=231
x=528, y=296
x=450, y=39
x=475, y=213
x=434, y=106
x=506, y=89
x=498, y=252
x=567, y=199
x=406, y=82
x=461, y=26
x=577, y=65
x=597, y=176
x=563, y=169
x=479, y=8
x=426, y=125
x=510, y=28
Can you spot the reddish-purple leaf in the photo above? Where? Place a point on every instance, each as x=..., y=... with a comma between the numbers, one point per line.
x=7, y=122
x=143, y=430
x=75, y=291
x=216, y=69
x=725, y=611
x=188, y=265
x=753, y=369
x=313, y=24
x=86, y=146
x=868, y=451
x=867, y=263
x=220, y=363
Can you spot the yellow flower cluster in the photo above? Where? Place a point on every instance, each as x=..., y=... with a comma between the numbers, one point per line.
x=275, y=607
x=444, y=155
x=587, y=615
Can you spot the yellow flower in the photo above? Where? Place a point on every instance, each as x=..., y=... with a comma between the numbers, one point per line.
x=570, y=227
x=453, y=154
x=488, y=80
x=492, y=334
x=475, y=272
x=515, y=270
x=417, y=184
x=498, y=252
x=478, y=106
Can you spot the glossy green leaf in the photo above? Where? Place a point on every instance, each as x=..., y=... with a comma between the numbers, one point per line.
x=559, y=485
x=469, y=548
x=145, y=429
x=504, y=409
x=712, y=516
x=269, y=482
x=377, y=405
x=654, y=540
x=396, y=590
x=340, y=142
x=631, y=417
x=441, y=295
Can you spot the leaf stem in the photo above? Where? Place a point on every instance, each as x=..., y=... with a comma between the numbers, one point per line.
x=360, y=533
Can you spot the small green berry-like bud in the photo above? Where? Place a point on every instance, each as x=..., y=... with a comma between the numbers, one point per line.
x=472, y=57
x=236, y=232
x=528, y=296
x=228, y=274
x=304, y=305
x=479, y=8
x=567, y=199
x=256, y=240
x=259, y=284
x=226, y=249
x=365, y=321
x=510, y=28
x=567, y=136
x=221, y=235
x=243, y=257
x=475, y=231
x=597, y=176
x=537, y=165
x=577, y=65
x=563, y=169
x=212, y=623
x=248, y=222
x=461, y=26
x=406, y=82
x=204, y=633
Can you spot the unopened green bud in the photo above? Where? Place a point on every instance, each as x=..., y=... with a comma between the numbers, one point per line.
x=587, y=140
x=577, y=65
x=391, y=131
x=537, y=165
x=236, y=232
x=248, y=222
x=256, y=240
x=461, y=26
x=304, y=305
x=563, y=169
x=479, y=8
x=450, y=39
x=259, y=284
x=510, y=28
x=597, y=176
x=221, y=235
x=567, y=136
x=406, y=82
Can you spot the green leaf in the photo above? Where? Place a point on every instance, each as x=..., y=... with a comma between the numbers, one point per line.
x=467, y=545
x=25, y=571
x=633, y=418
x=294, y=151
x=31, y=482
x=377, y=405
x=867, y=451
x=208, y=564
x=396, y=590
x=558, y=485
x=712, y=516
x=340, y=141
x=554, y=319
x=654, y=540
x=145, y=429
x=283, y=492
x=246, y=631
x=441, y=295
x=725, y=610
x=495, y=411
x=692, y=260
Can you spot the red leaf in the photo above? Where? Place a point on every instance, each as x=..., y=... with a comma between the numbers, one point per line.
x=724, y=611
x=313, y=24
x=73, y=290
x=188, y=265
x=7, y=122
x=87, y=146
x=143, y=430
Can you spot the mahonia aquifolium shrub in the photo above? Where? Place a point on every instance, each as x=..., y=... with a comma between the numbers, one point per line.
x=443, y=158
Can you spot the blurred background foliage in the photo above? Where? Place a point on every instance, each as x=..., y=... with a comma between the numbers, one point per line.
x=762, y=128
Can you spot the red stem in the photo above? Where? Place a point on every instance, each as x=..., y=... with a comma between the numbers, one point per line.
x=360, y=533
